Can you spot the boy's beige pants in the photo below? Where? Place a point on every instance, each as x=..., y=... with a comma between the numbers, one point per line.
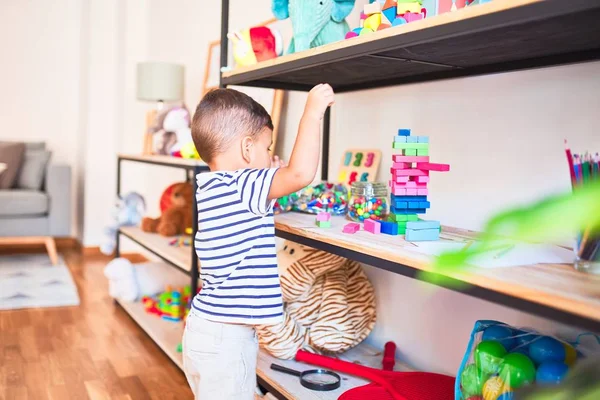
x=219, y=360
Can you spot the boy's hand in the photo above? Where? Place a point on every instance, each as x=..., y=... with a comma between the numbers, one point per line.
x=276, y=162
x=319, y=98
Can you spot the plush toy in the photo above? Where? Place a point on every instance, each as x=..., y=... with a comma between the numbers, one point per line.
x=128, y=211
x=329, y=303
x=255, y=44
x=171, y=130
x=177, y=216
x=130, y=282
x=314, y=22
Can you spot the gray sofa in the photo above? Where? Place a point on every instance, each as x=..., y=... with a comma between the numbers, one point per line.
x=45, y=212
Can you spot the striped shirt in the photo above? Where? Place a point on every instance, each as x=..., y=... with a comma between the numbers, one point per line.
x=235, y=244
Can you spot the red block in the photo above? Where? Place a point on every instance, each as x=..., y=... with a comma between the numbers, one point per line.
x=433, y=167
x=410, y=159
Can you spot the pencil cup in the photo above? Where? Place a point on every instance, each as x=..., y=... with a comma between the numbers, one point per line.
x=587, y=255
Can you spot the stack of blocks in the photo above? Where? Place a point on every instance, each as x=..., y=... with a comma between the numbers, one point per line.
x=410, y=176
x=323, y=220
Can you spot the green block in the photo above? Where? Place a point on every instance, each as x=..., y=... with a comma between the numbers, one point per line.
x=401, y=230
x=324, y=224
x=401, y=145
x=403, y=218
x=423, y=152
x=409, y=152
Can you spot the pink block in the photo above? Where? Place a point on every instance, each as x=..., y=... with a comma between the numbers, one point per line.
x=402, y=165
x=352, y=227
x=409, y=172
x=399, y=192
x=422, y=179
x=422, y=192
x=400, y=179
x=410, y=159
x=433, y=166
x=372, y=226
x=412, y=192
x=323, y=216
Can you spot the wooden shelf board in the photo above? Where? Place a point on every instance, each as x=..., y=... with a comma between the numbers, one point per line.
x=164, y=160
x=181, y=257
x=498, y=36
x=166, y=334
x=554, y=286
x=290, y=387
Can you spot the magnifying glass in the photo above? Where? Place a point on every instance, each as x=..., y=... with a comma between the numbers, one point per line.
x=313, y=379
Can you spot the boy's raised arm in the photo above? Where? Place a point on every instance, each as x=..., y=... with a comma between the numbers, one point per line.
x=304, y=160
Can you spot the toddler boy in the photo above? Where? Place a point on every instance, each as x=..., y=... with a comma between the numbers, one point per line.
x=235, y=242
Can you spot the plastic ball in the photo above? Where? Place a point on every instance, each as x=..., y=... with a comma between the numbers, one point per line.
x=489, y=355
x=551, y=373
x=500, y=333
x=494, y=387
x=546, y=349
x=517, y=370
x=472, y=380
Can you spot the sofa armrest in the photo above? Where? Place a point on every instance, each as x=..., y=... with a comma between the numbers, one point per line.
x=58, y=188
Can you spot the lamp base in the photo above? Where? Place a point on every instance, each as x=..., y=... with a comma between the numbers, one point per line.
x=150, y=118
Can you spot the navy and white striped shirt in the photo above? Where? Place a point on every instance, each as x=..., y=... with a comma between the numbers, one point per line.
x=235, y=243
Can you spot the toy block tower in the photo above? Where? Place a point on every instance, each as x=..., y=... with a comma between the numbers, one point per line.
x=408, y=186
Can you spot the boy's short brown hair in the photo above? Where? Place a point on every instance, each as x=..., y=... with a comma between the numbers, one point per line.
x=223, y=115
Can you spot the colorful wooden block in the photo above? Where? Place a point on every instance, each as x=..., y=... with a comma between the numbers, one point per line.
x=413, y=7
x=403, y=132
x=401, y=139
x=402, y=165
x=411, y=204
x=412, y=139
x=408, y=172
x=433, y=166
x=372, y=8
x=372, y=226
x=422, y=192
x=422, y=179
x=409, y=152
x=409, y=198
x=373, y=21
x=423, y=139
x=418, y=225
x=422, y=152
x=402, y=204
x=412, y=192
x=389, y=228
x=324, y=224
x=401, y=158
x=403, y=185
x=323, y=216
x=351, y=228
x=407, y=145
x=395, y=210
x=389, y=14
x=403, y=217
x=399, y=192
x=422, y=235
x=424, y=204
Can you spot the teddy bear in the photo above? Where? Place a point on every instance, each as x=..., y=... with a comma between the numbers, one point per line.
x=177, y=216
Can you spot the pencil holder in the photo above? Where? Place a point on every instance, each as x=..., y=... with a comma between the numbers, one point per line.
x=587, y=254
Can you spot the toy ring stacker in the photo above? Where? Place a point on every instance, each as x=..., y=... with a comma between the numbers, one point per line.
x=313, y=379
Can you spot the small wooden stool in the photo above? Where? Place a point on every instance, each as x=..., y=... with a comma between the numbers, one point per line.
x=48, y=241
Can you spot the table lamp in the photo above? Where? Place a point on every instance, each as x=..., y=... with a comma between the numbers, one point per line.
x=158, y=82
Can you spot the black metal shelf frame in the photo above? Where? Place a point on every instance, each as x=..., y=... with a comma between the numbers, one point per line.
x=191, y=171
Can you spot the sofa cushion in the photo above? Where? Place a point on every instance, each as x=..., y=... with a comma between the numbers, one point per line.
x=12, y=155
x=33, y=169
x=18, y=203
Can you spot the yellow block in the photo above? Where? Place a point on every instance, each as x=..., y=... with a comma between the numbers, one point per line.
x=373, y=21
x=410, y=7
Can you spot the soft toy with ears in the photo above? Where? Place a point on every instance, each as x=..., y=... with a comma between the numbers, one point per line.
x=314, y=22
x=255, y=44
x=177, y=217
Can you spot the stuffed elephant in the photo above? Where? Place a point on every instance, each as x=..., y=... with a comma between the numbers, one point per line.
x=314, y=22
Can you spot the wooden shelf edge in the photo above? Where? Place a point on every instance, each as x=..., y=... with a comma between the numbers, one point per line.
x=164, y=160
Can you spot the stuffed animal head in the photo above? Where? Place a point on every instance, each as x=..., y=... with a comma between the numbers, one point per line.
x=129, y=209
x=182, y=195
x=299, y=257
x=255, y=44
x=177, y=118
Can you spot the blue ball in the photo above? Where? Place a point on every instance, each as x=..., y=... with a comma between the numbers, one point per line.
x=551, y=373
x=501, y=334
x=547, y=349
x=506, y=396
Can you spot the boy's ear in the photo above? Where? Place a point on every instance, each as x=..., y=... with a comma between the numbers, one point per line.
x=247, y=144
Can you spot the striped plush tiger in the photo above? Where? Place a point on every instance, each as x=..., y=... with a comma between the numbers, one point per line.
x=329, y=304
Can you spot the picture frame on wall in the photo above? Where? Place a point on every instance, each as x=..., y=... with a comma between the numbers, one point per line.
x=270, y=99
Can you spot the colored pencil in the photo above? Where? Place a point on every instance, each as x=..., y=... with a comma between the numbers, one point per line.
x=571, y=168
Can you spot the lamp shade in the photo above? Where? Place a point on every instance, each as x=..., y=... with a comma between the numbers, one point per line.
x=157, y=81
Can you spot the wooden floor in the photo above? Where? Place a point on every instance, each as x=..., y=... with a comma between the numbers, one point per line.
x=93, y=351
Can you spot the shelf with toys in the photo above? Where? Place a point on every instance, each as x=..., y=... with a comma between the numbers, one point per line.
x=498, y=36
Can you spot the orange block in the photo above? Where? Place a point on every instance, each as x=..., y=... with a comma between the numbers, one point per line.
x=383, y=26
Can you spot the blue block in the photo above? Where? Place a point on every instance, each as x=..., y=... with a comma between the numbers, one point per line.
x=423, y=139
x=390, y=13
x=413, y=204
x=424, y=204
x=412, y=139
x=409, y=198
x=399, y=210
x=403, y=132
x=422, y=235
x=401, y=204
x=357, y=30
x=400, y=139
x=389, y=228
x=418, y=225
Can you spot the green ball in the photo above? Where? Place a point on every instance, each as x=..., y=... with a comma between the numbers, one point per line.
x=489, y=355
x=472, y=380
x=517, y=370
